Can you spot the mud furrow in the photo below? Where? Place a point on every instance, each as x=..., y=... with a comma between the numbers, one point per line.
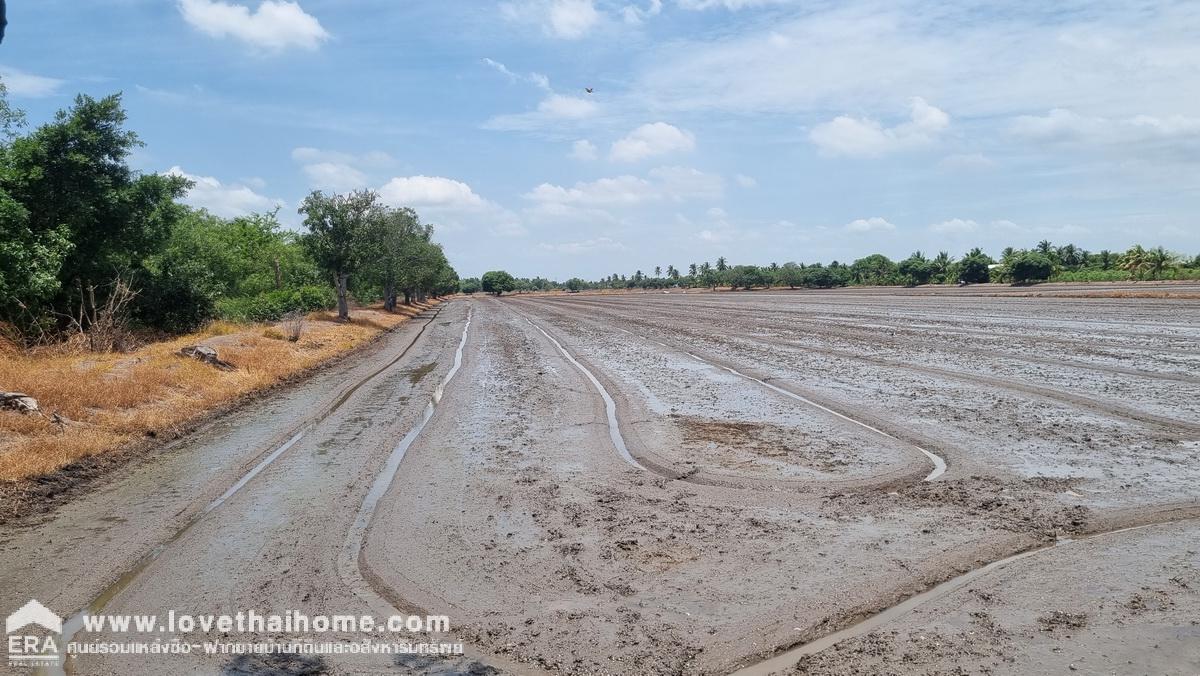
x=876, y=425
x=1081, y=401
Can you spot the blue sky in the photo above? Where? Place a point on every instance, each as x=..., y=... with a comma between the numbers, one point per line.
x=755, y=129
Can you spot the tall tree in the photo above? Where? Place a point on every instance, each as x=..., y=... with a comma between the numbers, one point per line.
x=337, y=227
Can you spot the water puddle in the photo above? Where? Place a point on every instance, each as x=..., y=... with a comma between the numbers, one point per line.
x=356, y=537
x=610, y=406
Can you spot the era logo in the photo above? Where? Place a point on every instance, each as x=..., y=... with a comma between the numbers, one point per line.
x=27, y=649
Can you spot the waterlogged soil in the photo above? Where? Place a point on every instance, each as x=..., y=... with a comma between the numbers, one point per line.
x=761, y=511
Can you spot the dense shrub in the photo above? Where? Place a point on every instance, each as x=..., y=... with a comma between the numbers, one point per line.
x=1030, y=267
x=273, y=305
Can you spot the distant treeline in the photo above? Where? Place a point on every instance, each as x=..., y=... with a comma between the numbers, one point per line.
x=1044, y=262
x=89, y=247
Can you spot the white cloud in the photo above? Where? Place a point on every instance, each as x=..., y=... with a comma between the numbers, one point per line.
x=536, y=79
x=586, y=246
x=572, y=19
x=955, y=226
x=334, y=176
x=338, y=171
x=20, y=83
x=552, y=111
x=275, y=26
x=1065, y=126
x=583, y=150
x=634, y=15
x=873, y=224
x=864, y=137
x=664, y=183
x=650, y=140
x=564, y=19
x=228, y=201
x=746, y=181
x=424, y=191
x=566, y=107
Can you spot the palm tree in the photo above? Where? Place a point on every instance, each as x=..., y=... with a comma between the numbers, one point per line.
x=672, y=272
x=1045, y=248
x=705, y=267
x=657, y=271
x=692, y=269
x=722, y=266
x=1106, y=259
x=1158, y=260
x=1134, y=261
x=941, y=266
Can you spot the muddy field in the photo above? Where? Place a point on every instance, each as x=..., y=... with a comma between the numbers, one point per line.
x=811, y=482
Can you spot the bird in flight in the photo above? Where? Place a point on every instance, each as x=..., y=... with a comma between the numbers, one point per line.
x=588, y=90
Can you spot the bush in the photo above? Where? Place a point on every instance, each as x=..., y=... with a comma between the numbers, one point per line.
x=974, y=270
x=273, y=305
x=1030, y=267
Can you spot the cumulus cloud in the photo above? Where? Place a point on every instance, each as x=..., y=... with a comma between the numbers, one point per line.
x=566, y=107
x=584, y=150
x=864, y=137
x=20, y=83
x=554, y=110
x=275, y=26
x=651, y=140
x=425, y=191
x=663, y=183
x=338, y=171
x=228, y=201
x=873, y=224
x=563, y=19
x=585, y=246
x=334, y=176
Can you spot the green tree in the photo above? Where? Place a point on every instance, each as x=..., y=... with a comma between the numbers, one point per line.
x=722, y=265
x=497, y=282
x=73, y=210
x=746, y=277
x=790, y=275
x=875, y=269
x=974, y=267
x=470, y=285
x=916, y=269
x=1030, y=267
x=337, y=227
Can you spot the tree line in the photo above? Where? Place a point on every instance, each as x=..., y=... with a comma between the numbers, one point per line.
x=1043, y=262
x=91, y=247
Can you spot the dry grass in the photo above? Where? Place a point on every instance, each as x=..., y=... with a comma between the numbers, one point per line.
x=112, y=400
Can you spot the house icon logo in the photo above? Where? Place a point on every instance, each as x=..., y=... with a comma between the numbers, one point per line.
x=32, y=631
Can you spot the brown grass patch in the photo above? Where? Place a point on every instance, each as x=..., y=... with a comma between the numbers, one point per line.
x=112, y=400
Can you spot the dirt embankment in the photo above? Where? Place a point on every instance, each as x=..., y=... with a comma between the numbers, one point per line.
x=101, y=409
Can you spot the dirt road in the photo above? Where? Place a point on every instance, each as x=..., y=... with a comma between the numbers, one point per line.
x=661, y=483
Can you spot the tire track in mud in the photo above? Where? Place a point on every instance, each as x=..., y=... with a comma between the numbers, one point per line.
x=861, y=626
x=938, y=462
x=74, y=623
x=353, y=567
x=1087, y=403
